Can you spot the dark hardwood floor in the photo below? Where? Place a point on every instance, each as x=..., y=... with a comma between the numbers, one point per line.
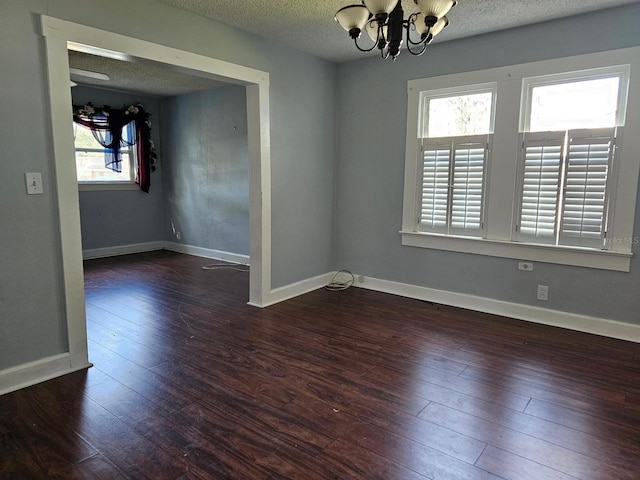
x=190, y=382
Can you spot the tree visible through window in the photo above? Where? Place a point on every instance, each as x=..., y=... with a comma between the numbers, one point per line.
x=459, y=115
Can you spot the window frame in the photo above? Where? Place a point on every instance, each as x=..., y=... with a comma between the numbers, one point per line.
x=104, y=185
x=502, y=174
x=565, y=139
x=451, y=142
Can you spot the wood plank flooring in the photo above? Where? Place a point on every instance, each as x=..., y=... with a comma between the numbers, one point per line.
x=190, y=382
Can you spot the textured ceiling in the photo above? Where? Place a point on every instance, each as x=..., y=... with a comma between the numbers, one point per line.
x=310, y=26
x=148, y=79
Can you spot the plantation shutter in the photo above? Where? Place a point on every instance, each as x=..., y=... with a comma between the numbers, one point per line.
x=589, y=160
x=452, y=185
x=434, y=205
x=468, y=184
x=541, y=166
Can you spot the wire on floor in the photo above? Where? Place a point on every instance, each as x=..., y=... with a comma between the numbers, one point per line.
x=335, y=286
x=226, y=266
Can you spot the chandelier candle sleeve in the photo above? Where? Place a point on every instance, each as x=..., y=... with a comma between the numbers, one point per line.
x=387, y=27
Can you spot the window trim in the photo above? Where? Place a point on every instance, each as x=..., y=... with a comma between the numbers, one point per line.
x=560, y=254
x=500, y=197
x=107, y=186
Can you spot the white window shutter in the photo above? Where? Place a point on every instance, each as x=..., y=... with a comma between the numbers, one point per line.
x=541, y=165
x=469, y=161
x=434, y=200
x=452, y=185
x=586, y=187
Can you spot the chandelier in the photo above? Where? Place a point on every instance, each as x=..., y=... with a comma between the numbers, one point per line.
x=384, y=22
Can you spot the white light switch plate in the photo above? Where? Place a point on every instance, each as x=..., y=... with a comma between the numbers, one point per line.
x=34, y=183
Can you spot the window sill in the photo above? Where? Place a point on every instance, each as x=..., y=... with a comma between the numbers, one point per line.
x=581, y=257
x=102, y=187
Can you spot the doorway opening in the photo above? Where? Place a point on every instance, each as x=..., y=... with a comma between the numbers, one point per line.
x=59, y=36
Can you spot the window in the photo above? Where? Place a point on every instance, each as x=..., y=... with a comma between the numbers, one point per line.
x=503, y=163
x=91, y=157
x=573, y=124
x=589, y=99
x=115, y=132
x=455, y=131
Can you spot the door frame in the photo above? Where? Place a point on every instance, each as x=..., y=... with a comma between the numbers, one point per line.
x=59, y=36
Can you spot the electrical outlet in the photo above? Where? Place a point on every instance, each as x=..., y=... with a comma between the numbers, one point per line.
x=178, y=236
x=543, y=293
x=525, y=266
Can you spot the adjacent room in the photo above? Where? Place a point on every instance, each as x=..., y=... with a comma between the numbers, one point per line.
x=280, y=240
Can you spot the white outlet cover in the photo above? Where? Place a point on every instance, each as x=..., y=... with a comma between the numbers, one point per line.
x=33, y=182
x=543, y=293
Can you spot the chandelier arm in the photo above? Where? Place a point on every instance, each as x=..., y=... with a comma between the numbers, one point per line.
x=424, y=40
x=418, y=52
x=385, y=40
x=355, y=40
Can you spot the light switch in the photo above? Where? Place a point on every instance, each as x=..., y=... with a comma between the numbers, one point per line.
x=34, y=183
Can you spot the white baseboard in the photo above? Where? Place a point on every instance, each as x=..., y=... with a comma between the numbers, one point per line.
x=582, y=323
x=207, y=253
x=171, y=246
x=121, y=250
x=281, y=294
x=31, y=373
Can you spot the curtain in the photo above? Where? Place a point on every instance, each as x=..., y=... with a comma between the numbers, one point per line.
x=107, y=125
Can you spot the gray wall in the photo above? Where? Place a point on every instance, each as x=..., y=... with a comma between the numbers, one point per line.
x=302, y=99
x=32, y=324
x=205, y=155
x=370, y=171
x=122, y=217
x=310, y=101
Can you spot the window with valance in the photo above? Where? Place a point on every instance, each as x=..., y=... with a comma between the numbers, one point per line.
x=117, y=129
